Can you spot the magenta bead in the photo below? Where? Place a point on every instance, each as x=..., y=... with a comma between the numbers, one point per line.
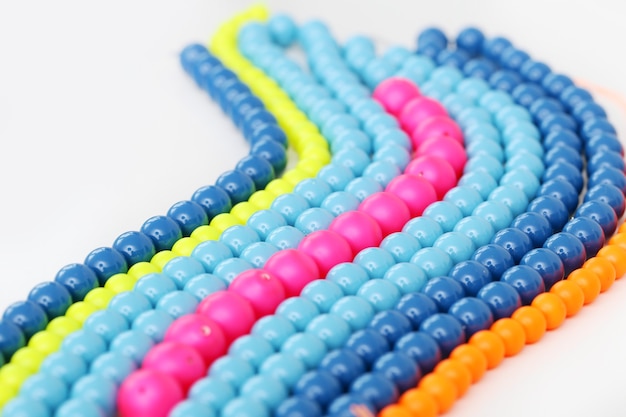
x=294, y=269
x=359, y=229
x=437, y=171
x=394, y=93
x=181, y=362
x=436, y=126
x=200, y=333
x=388, y=210
x=327, y=248
x=233, y=313
x=418, y=110
x=446, y=148
x=148, y=393
x=263, y=290
x=416, y=192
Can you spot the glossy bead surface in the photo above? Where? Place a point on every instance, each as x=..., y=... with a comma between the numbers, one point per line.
x=501, y=298
x=52, y=297
x=446, y=330
x=422, y=348
x=28, y=316
x=473, y=313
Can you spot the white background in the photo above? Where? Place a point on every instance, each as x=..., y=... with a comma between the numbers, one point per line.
x=101, y=129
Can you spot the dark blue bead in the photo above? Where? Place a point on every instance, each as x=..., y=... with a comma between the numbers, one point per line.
x=513, y=58
x=368, y=344
x=556, y=83
x=479, y=68
x=563, y=137
x=556, y=122
x=78, y=279
x=204, y=71
x=233, y=96
x=298, y=407
x=343, y=364
x=472, y=275
x=391, y=324
x=429, y=50
x=543, y=107
x=237, y=185
x=495, y=258
x=547, y=263
x=446, y=330
x=135, y=247
x=268, y=132
x=492, y=48
x=573, y=96
x=213, y=199
x=53, y=297
x=455, y=58
x=552, y=209
x=243, y=107
x=341, y=407
x=561, y=190
x=588, y=232
x=601, y=213
x=535, y=225
x=567, y=172
x=604, y=141
x=163, y=231
x=563, y=153
x=569, y=248
x=422, y=348
x=257, y=168
x=504, y=80
x=588, y=110
x=473, y=314
x=11, y=338
x=189, y=215
x=318, y=386
x=501, y=298
x=605, y=158
x=434, y=36
x=26, y=315
x=399, y=368
x=444, y=291
x=526, y=281
x=608, y=175
x=218, y=78
x=525, y=94
x=470, y=40
x=106, y=262
x=417, y=308
x=191, y=55
x=534, y=71
x=516, y=242
x=376, y=389
x=597, y=126
x=255, y=120
x=273, y=152
x=608, y=194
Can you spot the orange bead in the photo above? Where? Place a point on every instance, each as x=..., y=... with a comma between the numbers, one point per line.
x=588, y=281
x=444, y=392
x=473, y=358
x=571, y=294
x=619, y=240
x=457, y=372
x=552, y=308
x=617, y=256
x=419, y=403
x=512, y=334
x=604, y=269
x=622, y=228
x=533, y=322
x=491, y=345
x=395, y=410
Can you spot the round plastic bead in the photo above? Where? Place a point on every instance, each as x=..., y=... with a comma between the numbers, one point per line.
x=473, y=313
x=501, y=298
x=148, y=393
x=28, y=316
x=399, y=368
x=472, y=275
x=446, y=330
x=163, y=231
x=526, y=280
x=52, y=297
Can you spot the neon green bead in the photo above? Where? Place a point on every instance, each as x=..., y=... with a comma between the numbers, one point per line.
x=206, y=232
x=63, y=326
x=263, y=199
x=318, y=154
x=45, y=342
x=162, y=258
x=141, y=269
x=29, y=358
x=225, y=220
x=100, y=297
x=7, y=393
x=279, y=187
x=244, y=210
x=120, y=283
x=310, y=166
x=184, y=246
x=14, y=375
x=81, y=310
x=295, y=176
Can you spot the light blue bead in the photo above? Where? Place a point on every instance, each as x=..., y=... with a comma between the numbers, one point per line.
x=258, y=253
x=265, y=221
x=484, y=148
x=238, y=237
x=465, y=198
x=412, y=74
x=352, y=94
x=479, y=132
x=290, y=206
x=440, y=91
x=181, y=269
x=512, y=197
x=494, y=100
x=191, y=408
x=526, y=160
x=396, y=55
x=265, y=388
x=356, y=311
x=358, y=43
x=324, y=109
x=254, y=31
x=314, y=219
x=84, y=343
x=361, y=188
x=284, y=367
x=307, y=96
x=252, y=349
x=212, y=392
x=337, y=176
x=382, y=172
x=322, y=293
x=486, y=163
x=445, y=213
x=313, y=190
x=458, y=246
x=285, y=237
x=79, y=407
x=523, y=179
x=354, y=158
x=454, y=103
x=113, y=365
x=210, y=253
x=98, y=389
x=511, y=114
x=46, y=389
x=204, y=285
x=472, y=88
x=376, y=71
x=132, y=344
x=520, y=128
x=395, y=154
x=349, y=139
x=25, y=407
x=401, y=245
x=420, y=64
x=392, y=136
x=449, y=76
x=408, y=277
x=382, y=294
x=130, y=304
x=229, y=269
x=496, y=213
x=348, y=276
x=153, y=323
x=307, y=347
x=472, y=115
x=340, y=202
x=299, y=311
x=234, y=371
x=283, y=31
x=245, y=407
x=425, y=229
x=66, y=366
x=478, y=229
x=275, y=329
x=379, y=123
x=366, y=108
x=154, y=286
x=526, y=144
x=481, y=181
x=376, y=261
x=177, y=304
x=434, y=262
x=106, y=323
x=332, y=329
x=338, y=124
